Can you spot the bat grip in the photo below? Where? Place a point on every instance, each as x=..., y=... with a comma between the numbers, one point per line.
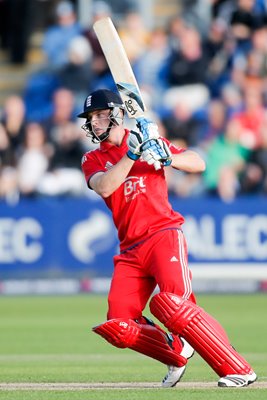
x=157, y=165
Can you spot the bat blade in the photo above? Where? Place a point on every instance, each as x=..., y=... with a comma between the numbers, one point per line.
x=120, y=67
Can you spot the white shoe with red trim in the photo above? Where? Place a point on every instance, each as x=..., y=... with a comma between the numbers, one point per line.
x=175, y=374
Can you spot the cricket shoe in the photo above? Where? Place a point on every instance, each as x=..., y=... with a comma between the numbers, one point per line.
x=237, y=380
x=175, y=374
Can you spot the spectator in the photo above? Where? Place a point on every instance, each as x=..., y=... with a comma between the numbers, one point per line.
x=38, y=93
x=67, y=147
x=181, y=126
x=6, y=151
x=12, y=132
x=134, y=35
x=216, y=37
x=58, y=37
x=150, y=64
x=254, y=176
x=216, y=121
x=63, y=112
x=42, y=84
x=14, y=120
x=225, y=160
x=232, y=98
x=63, y=116
x=189, y=64
x=64, y=176
x=251, y=117
x=243, y=21
x=256, y=61
x=220, y=48
x=175, y=27
x=77, y=75
x=8, y=171
x=259, y=40
x=184, y=185
x=34, y=159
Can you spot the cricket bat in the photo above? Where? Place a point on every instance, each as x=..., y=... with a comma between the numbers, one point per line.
x=121, y=71
x=120, y=67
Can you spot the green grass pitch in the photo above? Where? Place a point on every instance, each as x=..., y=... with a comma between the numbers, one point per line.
x=47, y=345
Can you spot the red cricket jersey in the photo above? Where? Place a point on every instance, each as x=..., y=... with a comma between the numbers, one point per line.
x=140, y=206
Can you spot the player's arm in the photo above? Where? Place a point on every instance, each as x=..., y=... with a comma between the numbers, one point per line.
x=168, y=154
x=188, y=161
x=105, y=183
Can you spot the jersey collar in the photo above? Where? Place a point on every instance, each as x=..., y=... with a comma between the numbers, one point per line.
x=105, y=146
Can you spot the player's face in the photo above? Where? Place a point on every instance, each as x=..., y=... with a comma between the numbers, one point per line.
x=99, y=121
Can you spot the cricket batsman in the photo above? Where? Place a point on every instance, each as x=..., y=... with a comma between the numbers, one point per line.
x=153, y=250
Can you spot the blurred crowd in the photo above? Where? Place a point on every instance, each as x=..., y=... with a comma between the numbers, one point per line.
x=204, y=79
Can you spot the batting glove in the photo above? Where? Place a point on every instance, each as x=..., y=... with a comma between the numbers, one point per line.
x=134, y=142
x=150, y=132
x=165, y=152
x=148, y=128
x=156, y=152
x=151, y=158
x=159, y=151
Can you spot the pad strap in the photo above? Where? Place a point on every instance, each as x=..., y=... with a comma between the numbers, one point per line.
x=144, y=338
x=187, y=319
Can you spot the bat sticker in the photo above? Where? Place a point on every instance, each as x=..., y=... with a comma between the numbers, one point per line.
x=130, y=91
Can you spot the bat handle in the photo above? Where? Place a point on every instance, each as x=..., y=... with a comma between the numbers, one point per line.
x=157, y=165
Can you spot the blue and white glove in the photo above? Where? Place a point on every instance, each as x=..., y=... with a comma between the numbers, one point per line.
x=151, y=158
x=153, y=149
x=134, y=142
x=156, y=152
x=150, y=132
x=165, y=153
x=148, y=128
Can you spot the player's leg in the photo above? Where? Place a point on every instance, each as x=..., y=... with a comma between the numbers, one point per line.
x=145, y=338
x=187, y=319
x=130, y=288
x=167, y=263
x=166, y=259
x=169, y=266
x=129, y=293
x=171, y=271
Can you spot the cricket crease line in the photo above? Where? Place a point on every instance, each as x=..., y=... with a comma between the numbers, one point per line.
x=16, y=386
